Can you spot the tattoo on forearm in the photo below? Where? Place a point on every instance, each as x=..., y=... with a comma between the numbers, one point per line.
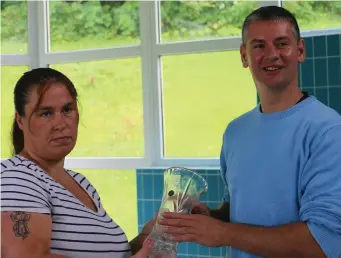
x=20, y=227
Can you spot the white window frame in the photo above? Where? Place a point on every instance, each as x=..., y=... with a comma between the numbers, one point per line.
x=150, y=51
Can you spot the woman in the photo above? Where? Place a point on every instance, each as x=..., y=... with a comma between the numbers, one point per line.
x=46, y=210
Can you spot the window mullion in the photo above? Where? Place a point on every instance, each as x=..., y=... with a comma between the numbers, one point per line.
x=36, y=33
x=151, y=82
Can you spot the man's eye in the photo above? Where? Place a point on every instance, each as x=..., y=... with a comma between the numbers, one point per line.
x=258, y=46
x=282, y=44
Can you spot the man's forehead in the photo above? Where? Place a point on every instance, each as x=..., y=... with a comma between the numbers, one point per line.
x=269, y=30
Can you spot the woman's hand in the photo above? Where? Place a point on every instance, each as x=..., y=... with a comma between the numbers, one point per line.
x=136, y=243
x=200, y=208
x=147, y=229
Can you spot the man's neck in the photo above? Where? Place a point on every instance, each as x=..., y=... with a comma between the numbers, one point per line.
x=279, y=100
x=49, y=166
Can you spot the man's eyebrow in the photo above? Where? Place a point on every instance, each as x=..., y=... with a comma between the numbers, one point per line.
x=253, y=41
x=282, y=38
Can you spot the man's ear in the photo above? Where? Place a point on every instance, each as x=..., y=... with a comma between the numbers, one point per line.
x=301, y=51
x=243, y=56
x=19, y=121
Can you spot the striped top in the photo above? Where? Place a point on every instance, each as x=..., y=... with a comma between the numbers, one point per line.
x=77, y=231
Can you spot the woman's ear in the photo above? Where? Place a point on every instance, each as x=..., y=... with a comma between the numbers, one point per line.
x=19, y=121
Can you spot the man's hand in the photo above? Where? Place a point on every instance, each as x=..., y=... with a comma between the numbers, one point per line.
x=200, y=208
x=196, y=228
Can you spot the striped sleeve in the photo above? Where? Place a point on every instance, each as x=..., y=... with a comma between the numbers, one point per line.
x=23, y=190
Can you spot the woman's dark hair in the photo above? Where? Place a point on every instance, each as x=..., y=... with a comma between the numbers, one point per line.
x=40, y=78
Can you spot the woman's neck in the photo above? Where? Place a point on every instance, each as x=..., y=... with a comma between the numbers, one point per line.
x=49, y=166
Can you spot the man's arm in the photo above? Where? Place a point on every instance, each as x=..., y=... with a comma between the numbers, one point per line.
x=294, y=240
x=222, y=213
x=318, y=234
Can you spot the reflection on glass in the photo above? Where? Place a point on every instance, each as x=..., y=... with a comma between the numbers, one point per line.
x=117, y=190
x=13, y=27
x=191, y=20
x=328, y=13
x=9, y=77
x=111, y=115
x=78, y=25
x=202, y=93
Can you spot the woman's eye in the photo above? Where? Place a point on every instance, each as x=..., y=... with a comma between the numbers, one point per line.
x=67, y=110
x=46, y=114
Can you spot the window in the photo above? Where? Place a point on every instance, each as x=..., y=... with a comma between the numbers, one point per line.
x=13, y=27
x=9, y=76
x=111, y=111
x=190, y=20
x=117, y=190
x=147, y=72
x=328, y=13
x=198, y=93
x=76, y=25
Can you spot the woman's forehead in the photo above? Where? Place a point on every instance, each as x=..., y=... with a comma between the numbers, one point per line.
x=53, y=95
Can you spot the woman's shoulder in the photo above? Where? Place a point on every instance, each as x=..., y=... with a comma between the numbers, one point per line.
x=20, y=165
x=20, y=171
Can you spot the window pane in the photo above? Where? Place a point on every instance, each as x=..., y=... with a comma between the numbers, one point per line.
x=13, y=27
x=190, y=20
x=306, y=12
x=9, y=77
x=111, y=115
x=93, y=24
x=202, y=94
x=117, y=190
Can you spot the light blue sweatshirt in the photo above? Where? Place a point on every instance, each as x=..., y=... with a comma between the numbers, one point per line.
x=285, y=167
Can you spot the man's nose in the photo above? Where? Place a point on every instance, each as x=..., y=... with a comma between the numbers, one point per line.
x=271, y=53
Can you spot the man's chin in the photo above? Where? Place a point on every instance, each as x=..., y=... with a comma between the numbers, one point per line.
x=275, y=85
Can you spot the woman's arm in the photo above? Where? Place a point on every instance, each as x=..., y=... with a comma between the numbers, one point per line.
x=136, y=243
x=26, y=234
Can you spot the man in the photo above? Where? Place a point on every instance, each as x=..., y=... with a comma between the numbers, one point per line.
x=280, y=162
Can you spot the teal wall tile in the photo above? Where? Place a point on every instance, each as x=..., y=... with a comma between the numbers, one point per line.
x=309, y=47
x=320, y=72
x=307, y=73
x=333, y=45
x=320, y=46
x=334, y=71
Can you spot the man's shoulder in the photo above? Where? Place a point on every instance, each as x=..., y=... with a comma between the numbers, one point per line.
x=241, y=120
x=321, y=115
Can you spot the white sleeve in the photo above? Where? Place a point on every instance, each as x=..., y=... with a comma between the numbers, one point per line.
x=24, y=191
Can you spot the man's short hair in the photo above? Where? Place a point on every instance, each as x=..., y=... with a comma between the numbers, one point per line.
x=271, y=13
